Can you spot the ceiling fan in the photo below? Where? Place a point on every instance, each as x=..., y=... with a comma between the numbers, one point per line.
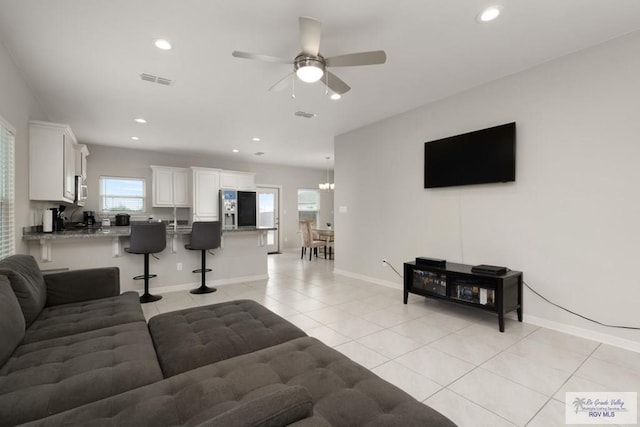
x=310, y=66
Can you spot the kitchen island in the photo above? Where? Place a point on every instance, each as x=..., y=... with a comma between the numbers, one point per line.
x=242, y=256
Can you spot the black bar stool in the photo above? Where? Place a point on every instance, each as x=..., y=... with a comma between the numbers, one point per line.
x=205, y=235
x=147, y=238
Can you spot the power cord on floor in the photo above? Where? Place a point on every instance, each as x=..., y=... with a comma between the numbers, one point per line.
x=577, y=314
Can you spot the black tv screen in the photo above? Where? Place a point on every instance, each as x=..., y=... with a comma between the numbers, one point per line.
x=479, y=157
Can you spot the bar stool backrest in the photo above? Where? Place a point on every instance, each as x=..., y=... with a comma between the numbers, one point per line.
x=148, y=238
x=205, y=235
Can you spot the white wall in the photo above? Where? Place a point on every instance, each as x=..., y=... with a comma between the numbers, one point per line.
x=18, y=106
x=570, y=222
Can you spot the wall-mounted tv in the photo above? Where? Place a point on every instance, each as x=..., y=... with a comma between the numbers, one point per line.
x=479, y=157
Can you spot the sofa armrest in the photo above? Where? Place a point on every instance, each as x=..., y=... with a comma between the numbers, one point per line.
x=82, y=285
x=279, y=408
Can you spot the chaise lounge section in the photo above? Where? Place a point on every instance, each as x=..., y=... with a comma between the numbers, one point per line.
x=90, y=359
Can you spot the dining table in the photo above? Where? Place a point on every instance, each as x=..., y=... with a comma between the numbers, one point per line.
x=326, y=234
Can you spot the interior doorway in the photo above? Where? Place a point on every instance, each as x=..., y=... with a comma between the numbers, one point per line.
x=269, y=215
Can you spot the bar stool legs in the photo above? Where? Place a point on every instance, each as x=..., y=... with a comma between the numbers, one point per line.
x=203, y=289
x=147, y=297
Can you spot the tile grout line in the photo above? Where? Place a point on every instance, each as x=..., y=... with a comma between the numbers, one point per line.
x=562, y=385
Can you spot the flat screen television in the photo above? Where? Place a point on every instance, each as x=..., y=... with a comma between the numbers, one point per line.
x=479, y=157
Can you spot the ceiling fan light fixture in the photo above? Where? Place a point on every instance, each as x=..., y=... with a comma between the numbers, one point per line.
x=335, y=96
x=309, y=69
x=309, y=73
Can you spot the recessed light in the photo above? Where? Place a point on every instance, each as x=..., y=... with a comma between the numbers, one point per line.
x=235, y=151
x=135, y=138
x=256, y=139
x=140, y=120
x=163, y=44
x=335, y=96
x=489, y=14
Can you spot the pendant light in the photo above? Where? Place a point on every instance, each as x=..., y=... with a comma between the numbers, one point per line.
x=326, y=186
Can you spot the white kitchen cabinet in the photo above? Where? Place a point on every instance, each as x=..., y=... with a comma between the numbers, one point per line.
x=170, y=187
x=206, y=189
x=52, y=160
x=81, y=153
x=232, y=180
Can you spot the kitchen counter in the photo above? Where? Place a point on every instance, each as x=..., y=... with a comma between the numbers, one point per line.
x=115, y=231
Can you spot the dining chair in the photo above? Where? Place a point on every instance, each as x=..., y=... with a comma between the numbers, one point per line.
x=308, y=241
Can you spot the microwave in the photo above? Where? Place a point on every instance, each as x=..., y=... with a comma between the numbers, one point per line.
x=81, y=192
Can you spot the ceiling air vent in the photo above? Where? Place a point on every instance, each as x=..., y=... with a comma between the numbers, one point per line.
x=258, y=153
x=155, y=79
x=304, y=114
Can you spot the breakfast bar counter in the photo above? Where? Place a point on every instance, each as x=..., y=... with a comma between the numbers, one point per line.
x=241, y=257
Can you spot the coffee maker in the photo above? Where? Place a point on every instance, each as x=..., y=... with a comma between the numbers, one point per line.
x=58, y=218
x=89, y=218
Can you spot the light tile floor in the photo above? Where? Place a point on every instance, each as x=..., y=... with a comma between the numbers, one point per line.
x=453, y=358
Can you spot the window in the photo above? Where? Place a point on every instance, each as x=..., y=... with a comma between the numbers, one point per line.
x=122, y=194
x=308, y=205
x=7, y=224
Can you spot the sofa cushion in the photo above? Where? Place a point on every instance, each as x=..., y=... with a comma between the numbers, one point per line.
x=70, y=319
x=195, y=337
x=278, y=408
x=71, y=286
x=47, y=377
x=188, y=400
x=11, y=320
x=344, y=393
x=27, y=283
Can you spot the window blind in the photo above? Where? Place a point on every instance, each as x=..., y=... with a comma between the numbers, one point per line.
x=7, y=222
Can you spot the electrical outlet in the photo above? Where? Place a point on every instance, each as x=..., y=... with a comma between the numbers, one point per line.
x=179, y=266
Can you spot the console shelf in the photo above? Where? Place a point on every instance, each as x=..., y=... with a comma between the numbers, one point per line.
x=458, y=284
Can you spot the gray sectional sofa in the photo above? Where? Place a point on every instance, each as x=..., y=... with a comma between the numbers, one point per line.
x=74, y=351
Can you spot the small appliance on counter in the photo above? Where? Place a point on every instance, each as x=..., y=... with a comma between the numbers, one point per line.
x=57, y=219
x=122, y=219
x=47, y=221
x=89, y=218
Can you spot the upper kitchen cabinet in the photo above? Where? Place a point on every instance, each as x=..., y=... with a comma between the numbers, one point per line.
x=52, y=159
x=231, y=180
x=206, y=189
x=170, y=187
x=81, y=160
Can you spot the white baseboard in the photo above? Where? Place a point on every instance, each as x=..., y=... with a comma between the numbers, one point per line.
x=214, y=283
x=583, y=333
x=368, y=279
x=534, y=320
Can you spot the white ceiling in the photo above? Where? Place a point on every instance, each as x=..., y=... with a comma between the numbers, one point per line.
x=82, y=59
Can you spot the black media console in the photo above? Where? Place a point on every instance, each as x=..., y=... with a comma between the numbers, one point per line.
x=457, y=283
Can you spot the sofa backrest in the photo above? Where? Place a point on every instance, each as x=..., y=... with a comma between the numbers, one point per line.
x=12, y=324
x=27, y=283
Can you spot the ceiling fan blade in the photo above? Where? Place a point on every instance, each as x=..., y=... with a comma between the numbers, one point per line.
x=281, y=84
x=260, y=57
x=310, y=30
x=334, y=83
x=362, y=58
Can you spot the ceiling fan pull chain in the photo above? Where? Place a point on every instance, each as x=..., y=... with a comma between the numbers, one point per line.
x=293, y=86
x=326, y=85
